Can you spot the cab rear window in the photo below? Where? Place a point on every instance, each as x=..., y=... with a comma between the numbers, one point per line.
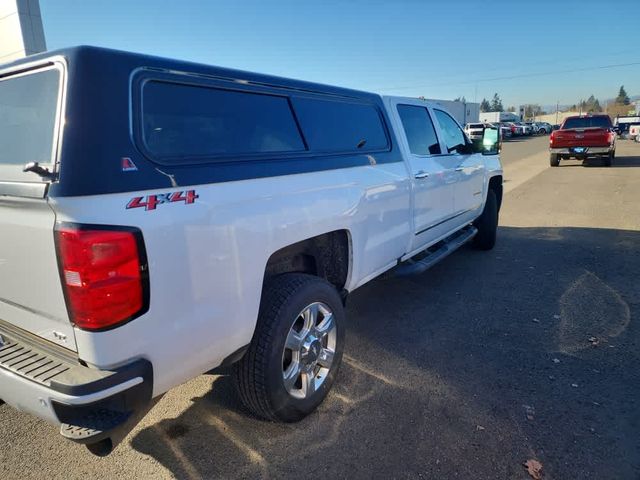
x=587, y=122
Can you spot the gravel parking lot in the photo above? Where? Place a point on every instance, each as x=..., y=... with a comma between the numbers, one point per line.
x=530, y=351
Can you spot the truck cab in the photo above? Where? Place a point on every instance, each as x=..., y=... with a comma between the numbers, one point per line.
x=448, y=176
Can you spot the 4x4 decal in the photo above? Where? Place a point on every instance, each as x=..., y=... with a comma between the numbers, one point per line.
x=150, y=202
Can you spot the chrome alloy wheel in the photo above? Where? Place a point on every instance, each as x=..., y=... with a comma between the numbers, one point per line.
x=309, y=350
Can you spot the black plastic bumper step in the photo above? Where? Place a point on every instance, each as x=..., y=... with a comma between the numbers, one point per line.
x=94, y=426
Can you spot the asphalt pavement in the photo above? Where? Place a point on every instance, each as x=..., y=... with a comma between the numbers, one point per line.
x=528, y=352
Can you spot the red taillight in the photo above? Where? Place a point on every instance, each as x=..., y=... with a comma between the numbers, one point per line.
x=552, y=137
x=103, y=273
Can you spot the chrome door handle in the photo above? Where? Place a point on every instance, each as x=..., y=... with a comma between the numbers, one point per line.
x=421, y=174
x=459, y=169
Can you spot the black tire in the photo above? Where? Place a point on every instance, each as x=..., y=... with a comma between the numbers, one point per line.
x=608, y=160
x=487, y=224
x=554, y=159
x=258, y=375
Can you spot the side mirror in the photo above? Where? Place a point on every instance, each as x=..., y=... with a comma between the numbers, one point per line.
x=491, y=141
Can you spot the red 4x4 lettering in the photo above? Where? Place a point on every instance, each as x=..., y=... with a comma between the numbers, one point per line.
x=187, y=197
x=150, y=202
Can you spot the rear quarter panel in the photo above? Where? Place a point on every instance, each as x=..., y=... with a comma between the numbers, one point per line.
x=207, y=259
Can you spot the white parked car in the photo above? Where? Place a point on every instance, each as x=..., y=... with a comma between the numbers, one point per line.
x=208, y=218
x=474, y=131
x=525, y=129
x=533, y=126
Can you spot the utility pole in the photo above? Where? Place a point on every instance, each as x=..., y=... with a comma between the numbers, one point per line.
x=557, y=107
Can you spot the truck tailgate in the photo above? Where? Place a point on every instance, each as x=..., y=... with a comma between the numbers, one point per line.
x=31, y=296
x=588, y=137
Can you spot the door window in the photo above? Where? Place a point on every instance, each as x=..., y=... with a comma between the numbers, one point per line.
x=454, y=137
x=419, y=130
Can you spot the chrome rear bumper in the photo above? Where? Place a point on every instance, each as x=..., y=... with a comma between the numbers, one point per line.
x=587, y=151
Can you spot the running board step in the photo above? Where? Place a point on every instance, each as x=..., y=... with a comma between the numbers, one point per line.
x=427, y=259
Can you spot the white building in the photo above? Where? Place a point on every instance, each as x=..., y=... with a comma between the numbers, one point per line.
x=463, y=112
x=21, y=31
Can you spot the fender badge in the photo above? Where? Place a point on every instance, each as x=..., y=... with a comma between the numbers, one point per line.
x=150, y=202
x=128, y=165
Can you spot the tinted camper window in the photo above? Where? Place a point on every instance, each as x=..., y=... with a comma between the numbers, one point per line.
x=192, y=121
x=338, y=126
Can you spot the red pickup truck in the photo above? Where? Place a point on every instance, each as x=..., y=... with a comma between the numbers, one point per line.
x=582, y=137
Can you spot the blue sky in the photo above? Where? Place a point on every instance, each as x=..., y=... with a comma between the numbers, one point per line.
x=439, y=49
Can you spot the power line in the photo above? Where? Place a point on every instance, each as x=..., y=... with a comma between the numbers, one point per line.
x=512, y=77
x=511, y=67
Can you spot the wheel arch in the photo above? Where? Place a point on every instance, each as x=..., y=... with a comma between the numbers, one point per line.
x=327, y=256
x=495, y=184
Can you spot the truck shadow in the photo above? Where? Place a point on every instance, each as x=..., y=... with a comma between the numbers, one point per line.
x=628, y=161
x=485, y=361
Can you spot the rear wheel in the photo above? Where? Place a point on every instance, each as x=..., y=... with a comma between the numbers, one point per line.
x=554, y=160
x=487, y=224
x=608, y=160
x=296, y=349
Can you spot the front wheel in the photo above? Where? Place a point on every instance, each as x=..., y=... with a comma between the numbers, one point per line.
x=296, y=349
x=487, y=224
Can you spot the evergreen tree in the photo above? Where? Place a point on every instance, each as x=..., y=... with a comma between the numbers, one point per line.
x=485, y=106
x=622, y=98
x=592, y=105
x=496, y=103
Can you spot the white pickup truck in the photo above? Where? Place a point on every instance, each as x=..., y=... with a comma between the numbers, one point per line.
x=160, y=218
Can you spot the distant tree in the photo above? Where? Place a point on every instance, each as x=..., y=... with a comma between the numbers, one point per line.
x=592, y=105
x=616, y=109
x=510, y=108
x=485, y=106
x=622, y=98
x=460, y=99
x=496, y=103
x=532, y=110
